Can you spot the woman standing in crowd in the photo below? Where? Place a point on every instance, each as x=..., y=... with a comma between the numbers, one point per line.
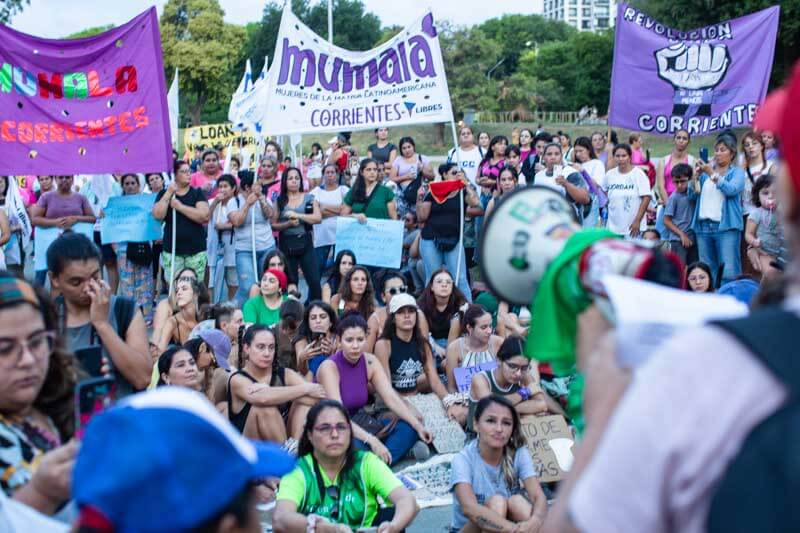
x=770, y=145
x=515, y=378
x=566, y=147
x=525, y=143
x=264, y=308
x=404, y=352
x=205, y=179
x=344, y=263
x=718, y=220
x=494, y=160
x=349, y=374
x=60, y=208
x=316, y=338
x=600, y=148
x=335, y=486
x=406, y=169
x=764, y=231
x=483, y=140
x=98, y=190
x=314, y=168
x=339, y=155
x=268, y=179
x=355, y=293
x=368, y=198
x=191, y=214
x=565, y=180
x=628, y=191
x=252, y=233
x=476, y=346
x=273, y=151
x=188, y=313
x=391, y=284
x=680, y=154
x=37, y=381
x=487, y=474
x=699, y=277
x=46, y=184
x=155, y=184
x=506, y=183
x=177, y=367
x=440, y=303
x=593, y=171
x=469, y=154
x=382, y=150
x=221, y=248
x=265, y=399
x=756, y=165
x=440, y=244
x=295, y=213
x=136, y=262
x=330, y=197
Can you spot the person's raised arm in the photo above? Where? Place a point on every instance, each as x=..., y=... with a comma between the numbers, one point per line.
x=161, y=207
x=238, y=217
x=423, y=207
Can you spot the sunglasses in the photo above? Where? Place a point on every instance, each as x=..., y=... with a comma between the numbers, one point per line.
x=397, y=290
x=333, y=494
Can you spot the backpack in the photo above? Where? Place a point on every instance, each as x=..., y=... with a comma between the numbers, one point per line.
x=759, y=488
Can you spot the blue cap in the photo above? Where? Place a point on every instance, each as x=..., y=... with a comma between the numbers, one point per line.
x=166, y=460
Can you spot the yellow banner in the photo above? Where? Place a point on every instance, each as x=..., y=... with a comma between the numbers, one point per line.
x=213, y=135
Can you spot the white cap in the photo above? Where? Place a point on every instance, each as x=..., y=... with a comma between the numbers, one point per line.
x=400, y=301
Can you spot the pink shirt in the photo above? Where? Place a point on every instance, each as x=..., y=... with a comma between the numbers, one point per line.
x=676, y=429
x=206, y=184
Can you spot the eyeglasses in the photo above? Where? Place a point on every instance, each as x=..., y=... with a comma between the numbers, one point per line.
x=517, y=368
x=445, y=281
x=333, y=494
x=697, y=278
x=38, y=344
x=327, y=429
x=397, y=290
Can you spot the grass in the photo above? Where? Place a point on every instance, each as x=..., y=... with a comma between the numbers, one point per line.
x=426, y=142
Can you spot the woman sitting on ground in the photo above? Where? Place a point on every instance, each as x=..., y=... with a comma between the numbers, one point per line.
x=355, y=294
x=489, y=474
x=316, y=338
x=476, y=347
x=188, y=293
x=211, y=350
x=265, y=308
x=440, y=303
x=177, y=366
x=264, y=398
x=276, y=259
x=515, y=378
x=349, y=374
x=37, y=409
x=167, y=307
x=344, y=263
x=392, y=283
x=336, y=483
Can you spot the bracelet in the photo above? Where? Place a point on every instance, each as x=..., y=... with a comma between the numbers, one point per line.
x=311, y=523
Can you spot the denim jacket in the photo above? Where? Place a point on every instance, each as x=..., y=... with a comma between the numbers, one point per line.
x=731, y=185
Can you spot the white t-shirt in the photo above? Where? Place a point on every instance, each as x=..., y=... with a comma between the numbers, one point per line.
x=470, y=160
x=220, y=215
x=625, y=193
x=242, y=235
x=596, y=170
x=325, y=231
x=711, y=200
x=544, y=180
x=747, y=193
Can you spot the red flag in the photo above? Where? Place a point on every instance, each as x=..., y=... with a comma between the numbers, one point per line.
x=441, y=189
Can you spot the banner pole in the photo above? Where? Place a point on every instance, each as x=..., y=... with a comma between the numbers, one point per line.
x=460, y=203
x=253, y=242
x=330, y=21
x=172, y=265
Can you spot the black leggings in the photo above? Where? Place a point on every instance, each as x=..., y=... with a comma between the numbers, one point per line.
x=308, y=262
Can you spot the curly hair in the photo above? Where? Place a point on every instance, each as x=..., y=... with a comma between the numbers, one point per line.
x=366, y=306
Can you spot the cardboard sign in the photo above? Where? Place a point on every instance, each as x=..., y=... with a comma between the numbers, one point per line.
x=550, y=443
x=464, y=375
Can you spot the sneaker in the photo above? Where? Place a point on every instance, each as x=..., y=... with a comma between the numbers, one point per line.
x=420, y=451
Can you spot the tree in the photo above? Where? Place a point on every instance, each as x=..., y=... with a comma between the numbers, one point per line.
x=353, y=27
x=196, y=40
x=690, y=14
x=90, y=32
x=515, y=33
x=9, y=8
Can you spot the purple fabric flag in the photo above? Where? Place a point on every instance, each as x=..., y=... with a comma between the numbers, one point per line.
x=84, y=106
x=702, y=80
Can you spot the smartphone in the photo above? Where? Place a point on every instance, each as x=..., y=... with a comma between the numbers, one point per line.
x=91, y=359
x=704, y=154
x=91, y=397
x=316, y=336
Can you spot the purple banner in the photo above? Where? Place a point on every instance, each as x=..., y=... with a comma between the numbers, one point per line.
x=703, y=80
x=84, y=106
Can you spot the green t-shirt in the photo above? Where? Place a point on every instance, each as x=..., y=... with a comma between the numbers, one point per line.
x=256, y=312
x=378, y=479
x=377, y=207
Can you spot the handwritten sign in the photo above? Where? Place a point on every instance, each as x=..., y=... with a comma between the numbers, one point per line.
x=550, y=443
x=129, y=219
x=44, y=237
x=448, y=436
x=377, y=243
x=464, y=375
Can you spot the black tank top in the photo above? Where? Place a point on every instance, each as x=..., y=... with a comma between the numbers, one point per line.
x=240, y=419
x=405, y=364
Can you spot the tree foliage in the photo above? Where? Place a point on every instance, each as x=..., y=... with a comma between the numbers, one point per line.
x=90, y=32
x=353, y=27
x=197, y=41
x=690, y=14
x=9, y=8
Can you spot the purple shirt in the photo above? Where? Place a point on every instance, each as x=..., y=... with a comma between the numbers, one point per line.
x=57, y=206
x=352, y=381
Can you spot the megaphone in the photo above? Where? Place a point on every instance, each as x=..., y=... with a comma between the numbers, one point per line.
x=528, y=229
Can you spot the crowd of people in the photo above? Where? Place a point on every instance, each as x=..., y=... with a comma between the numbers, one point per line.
x=246, y=302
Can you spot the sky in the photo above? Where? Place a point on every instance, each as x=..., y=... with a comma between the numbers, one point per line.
x=59, y=18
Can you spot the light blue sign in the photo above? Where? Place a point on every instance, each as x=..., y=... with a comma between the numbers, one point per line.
x=464, y=375
x=377, y=243
x=129, y=219
x=44, y=237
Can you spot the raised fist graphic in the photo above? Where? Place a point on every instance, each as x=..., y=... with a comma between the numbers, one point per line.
x=693, y=71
